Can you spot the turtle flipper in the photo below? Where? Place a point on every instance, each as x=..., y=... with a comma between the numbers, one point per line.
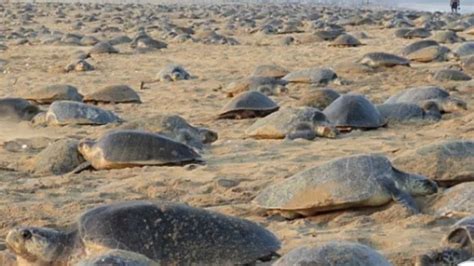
x=400, y=196
x=82, y=167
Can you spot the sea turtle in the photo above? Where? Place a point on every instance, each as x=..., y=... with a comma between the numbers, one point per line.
x=451, y=75
x=143, y=42
x=51, y=93
x=417, y=33
x=345, y=40
x=409, y=112
x=130, y=148
x=80, y=65
x=413, y=47
x=466, y=49
x=380, y=59
x=74, y=113
x=103, y=48
x=267, y=85
x=456, y=201
x=248, y=105
x=354, y=181
x=311, y=75
x=447, y=162
x=174, y=127
x=113, y=94
x=167, y=233
x=420, y=95
x=333, y=253
x=351, y=111
x=271, y=71
x=447, y=36
x=16, y=109
x=118, y=257
x=89, y=40
x=400, y=33
x=432, y=53
x=60, y=157
x=328, y=35
x=292, y=123
x=120, y=39
x=173, y=72
x=319, y=98
x=456, y=247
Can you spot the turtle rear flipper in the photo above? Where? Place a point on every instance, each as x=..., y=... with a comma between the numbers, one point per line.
x=400, y=196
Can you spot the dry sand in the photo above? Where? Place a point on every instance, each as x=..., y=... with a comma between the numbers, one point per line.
x=252, y=164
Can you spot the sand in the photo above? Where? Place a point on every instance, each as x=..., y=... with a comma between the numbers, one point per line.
x=251, y=165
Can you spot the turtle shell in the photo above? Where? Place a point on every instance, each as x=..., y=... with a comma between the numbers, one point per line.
x=273, y=71
x=103, y=48
x=70, y=113
x=346, y=40
x=176, y=234
x=354, y=111
x=118, y=257
x=253, y=101
x=429, y=54
x=17, y=109
x=341, y=183
x=114, y=94
x=279, y=124
x=401, y=112
x=455, y=200
x=173, y=72
x=380, y=59
x=466, y=49
x=451, y=75
x=418, y=94
x=126, y=148
x=311, y=75
x=334, y=253
x=417, y=46
x=57, y=92
x=447, y=162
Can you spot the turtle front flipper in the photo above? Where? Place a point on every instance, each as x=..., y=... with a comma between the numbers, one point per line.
x=82, y=167
x=400, y=196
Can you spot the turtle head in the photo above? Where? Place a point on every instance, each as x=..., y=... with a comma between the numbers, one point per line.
x=39, y=119
x=453, y=105
x=85, y=147
x=207, y=135
x=38, y=246
x=416, y=185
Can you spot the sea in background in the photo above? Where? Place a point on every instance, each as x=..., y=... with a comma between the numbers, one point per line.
x=436, y=5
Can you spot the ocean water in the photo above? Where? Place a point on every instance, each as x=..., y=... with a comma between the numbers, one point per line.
x=467, y=6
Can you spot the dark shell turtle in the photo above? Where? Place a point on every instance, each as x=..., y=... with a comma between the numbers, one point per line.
x=176, y=128
x=466, y=49
x=129, y=148
x=271, y=71
x=248, y=105
x=266, y=85
x=173, y=72
x=421, y=95
x=432, y=53
x=80, y=65
x=418, y=46
x=16, y=109
x=75, y=113
x=333, y=253
x=114, y=94
x=56, y=92
x=103, y=48
x=448, y=162
x=354, y=181
x=327, y=35
x=409, y=112
x=354, y=111
x=287, y=123
x=311, y=75
x=167, y=233
x=319, y=98
x=346, y=40
x=417, y=33
x=380, y=59
x=451, y=75
x=144, y=42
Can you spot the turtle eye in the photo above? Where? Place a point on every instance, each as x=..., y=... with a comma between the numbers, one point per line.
x=26, y=234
